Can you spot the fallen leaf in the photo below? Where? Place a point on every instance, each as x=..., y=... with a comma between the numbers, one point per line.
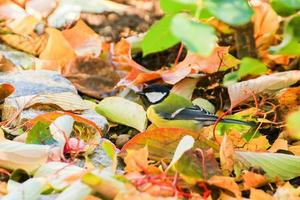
x=226, y=183
x=185, y=144
x=92, y=76
x=57, y=51
x=275, y=165
x=185, y=87
x=259, y=194
x=39, y=9
x=136, y=160
x=29, y=190
x=6, y=90
x=253, y=180
x=162, y=142
x=287, y=191
x=76, y=191
x=292, y=125
x=83, y=39
x=58, y=174
x=227, y=155
x=197, y=165
x=288, y=99
x=279, y=144
x=17, y=155
x=10, y=10
x=241, y=91
x=123, y=111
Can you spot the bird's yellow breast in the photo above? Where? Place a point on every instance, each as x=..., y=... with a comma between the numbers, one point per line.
x=160, y=122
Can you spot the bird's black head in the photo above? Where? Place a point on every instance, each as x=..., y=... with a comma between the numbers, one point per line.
x=154, y=93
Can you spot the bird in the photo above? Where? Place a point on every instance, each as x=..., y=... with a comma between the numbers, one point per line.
x=169, y=110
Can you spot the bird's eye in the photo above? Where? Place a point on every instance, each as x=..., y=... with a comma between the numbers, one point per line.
x=154, y=97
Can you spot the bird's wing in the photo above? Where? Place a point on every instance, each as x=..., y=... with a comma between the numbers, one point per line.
x=194, y=113
x=205, y=117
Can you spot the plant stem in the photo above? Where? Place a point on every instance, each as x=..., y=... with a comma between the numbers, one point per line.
x=245, y=42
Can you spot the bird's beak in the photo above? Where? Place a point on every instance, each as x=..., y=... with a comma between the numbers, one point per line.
x=140, y=93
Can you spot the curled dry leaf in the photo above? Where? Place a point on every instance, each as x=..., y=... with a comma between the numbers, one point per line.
x=288, y=100
x=6, y=90
x=279, y=144
x=83, y=39
x=241, y=91
x=185, y=87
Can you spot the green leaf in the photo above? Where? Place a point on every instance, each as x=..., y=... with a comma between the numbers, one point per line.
x=248, y=66
x=291, y=37
x=285, y=7
x=196, y=36
x=176, y=6
x=251, y=66
x=275, y=165
x=191, y=167
x=123, y=111
x=159, y=37
x=40, y=134
x=235, y=13
x=292, y=125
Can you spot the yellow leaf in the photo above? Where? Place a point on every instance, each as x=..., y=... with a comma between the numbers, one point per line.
x=136, y=160
x=259, y=194
x=58, y=50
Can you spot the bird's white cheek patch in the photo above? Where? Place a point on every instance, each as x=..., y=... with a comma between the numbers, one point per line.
x=154, y=97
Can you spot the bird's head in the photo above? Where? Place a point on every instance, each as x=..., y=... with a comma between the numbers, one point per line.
x=154, y=93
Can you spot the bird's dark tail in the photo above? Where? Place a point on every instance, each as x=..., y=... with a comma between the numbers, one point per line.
x=235, y=121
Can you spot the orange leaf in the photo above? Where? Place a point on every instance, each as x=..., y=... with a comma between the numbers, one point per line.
x=226, y=183
x=253, y=180
x=136, y=160
x=57, y=51
x=6, y=90
x=51, y=116
x=162, y=142
x=279, y=144
x=259, y=194
x=83, y=39
x=227, y=155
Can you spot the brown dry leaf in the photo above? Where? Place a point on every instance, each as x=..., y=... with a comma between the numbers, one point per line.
x=256, y=194
x=253, y=180
x=279, y=144
x=40, y=9
x=289, y=100
x=226, y=183
x=136, y=160
x=227, y=155
x=241, y=91
x=92, y=197
x=83, y=39
x=57, y=51
x=92, y=76
x=23, y=37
